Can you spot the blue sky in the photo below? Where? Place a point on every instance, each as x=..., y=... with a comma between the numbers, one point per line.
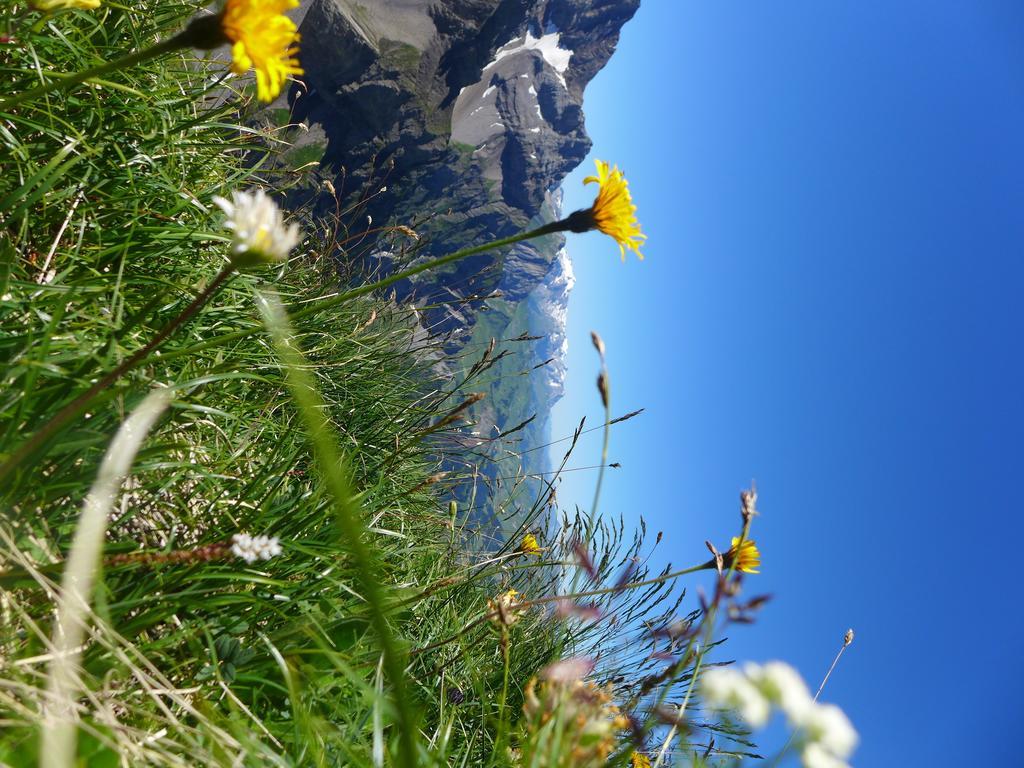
x=834, y=198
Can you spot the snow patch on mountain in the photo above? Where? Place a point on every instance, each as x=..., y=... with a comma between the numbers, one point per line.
x=473, y=110
x=547, y=45
x=549, y=304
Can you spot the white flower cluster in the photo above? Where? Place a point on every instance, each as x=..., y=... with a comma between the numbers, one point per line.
x=827, y=737
x=260, y=235
x=726, y=688
x=253, y=548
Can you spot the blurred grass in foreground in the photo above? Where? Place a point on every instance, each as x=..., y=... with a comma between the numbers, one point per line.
x=191, y=656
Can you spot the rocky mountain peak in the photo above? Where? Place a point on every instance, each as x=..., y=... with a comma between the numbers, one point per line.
x=469, y=111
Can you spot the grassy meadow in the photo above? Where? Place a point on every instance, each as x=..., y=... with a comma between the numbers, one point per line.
x=164, y=400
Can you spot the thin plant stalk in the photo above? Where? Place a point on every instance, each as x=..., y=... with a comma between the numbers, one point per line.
x=847, y=639
x=336, y=476
x=604, y=390
x=79, y=404
x=64, y=82
x=57, y=749
x=555, y=598
x=297, y=312
x=499, y=742
x=709, y=629
x=426, y=266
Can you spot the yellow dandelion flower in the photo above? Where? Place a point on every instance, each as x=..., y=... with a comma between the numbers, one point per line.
x=530, y=545
x=746, y=555
x=263, y=39
x=613, y=212
x=639, y=760
x=61, y=5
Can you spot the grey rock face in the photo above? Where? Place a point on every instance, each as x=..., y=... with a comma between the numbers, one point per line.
x=472, y=105
x=470, y=111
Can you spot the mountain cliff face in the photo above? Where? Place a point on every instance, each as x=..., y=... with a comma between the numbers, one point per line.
x=469, y=111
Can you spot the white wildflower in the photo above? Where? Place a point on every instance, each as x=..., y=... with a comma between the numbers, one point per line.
x=253, y=548
x=816, y=756
x=828, y=726
x=726, y=688
x=260, y=235
x=783, y=686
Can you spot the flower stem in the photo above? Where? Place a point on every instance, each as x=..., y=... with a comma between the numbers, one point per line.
x=337, y=477
x=426, y=266
x=499, y=742
x=76, y=406
x=65, y=82
x=554, y=598
x=792, y=734
x=709, y=627
x=306, y=309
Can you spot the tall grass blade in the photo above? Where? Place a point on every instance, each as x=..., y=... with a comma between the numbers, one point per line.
x=58, y=747
x=336, y=475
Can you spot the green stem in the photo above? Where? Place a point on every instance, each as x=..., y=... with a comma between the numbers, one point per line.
x=571, y=596
x=336, y=475
x=38, y=26
x=76, y=406
x=792, y=733
x=499, y=742
x=65, y=82
x=426, y=266
x=609, y=590
x=297, y=312
x=709, y=628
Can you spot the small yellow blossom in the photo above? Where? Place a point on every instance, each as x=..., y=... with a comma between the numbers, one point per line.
x=530, y=545
x=640, y=760
x=613, y=212
x=61, y=5
x=506, y=606
x=264, y=39
x=746, y=555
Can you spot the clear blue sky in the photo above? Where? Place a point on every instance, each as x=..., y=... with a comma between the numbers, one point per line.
x=834, y=198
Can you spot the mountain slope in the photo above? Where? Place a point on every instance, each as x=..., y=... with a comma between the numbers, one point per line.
x=469, y=111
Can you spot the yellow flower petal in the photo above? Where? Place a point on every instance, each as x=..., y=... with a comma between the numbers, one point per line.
x=613, y=212
x=746, y=555
x=263, y=39
x=530, y=545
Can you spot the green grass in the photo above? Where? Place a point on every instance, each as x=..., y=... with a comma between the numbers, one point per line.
x=322, y=431
x=399, y=55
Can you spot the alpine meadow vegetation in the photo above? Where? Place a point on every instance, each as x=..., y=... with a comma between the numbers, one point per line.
x=228, y=528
